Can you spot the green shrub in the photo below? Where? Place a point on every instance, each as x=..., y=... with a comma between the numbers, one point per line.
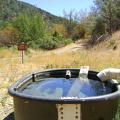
x=3, y=47
x=67, y=41
x=52, y=42
x=48, y=43
x=32, y=44
x=27, y=52
x=13, y=49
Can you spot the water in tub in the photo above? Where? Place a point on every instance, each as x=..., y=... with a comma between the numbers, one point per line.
x=62, y=87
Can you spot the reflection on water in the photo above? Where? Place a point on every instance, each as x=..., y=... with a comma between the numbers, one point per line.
x=61, y=87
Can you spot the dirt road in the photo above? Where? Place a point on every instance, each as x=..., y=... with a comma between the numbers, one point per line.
x=69, y=48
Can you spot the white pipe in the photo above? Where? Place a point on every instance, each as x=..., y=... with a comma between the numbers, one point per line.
x=110, y=73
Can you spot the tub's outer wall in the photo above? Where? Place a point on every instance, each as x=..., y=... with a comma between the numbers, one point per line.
x=99, y=110
x=26, y=109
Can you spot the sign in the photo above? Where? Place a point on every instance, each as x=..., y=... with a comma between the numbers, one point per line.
x=22, y=46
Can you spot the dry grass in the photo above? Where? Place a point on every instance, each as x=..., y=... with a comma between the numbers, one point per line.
x=98, y=58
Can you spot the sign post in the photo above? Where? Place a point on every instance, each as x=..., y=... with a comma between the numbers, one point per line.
x=22, y=47
x=22, y=56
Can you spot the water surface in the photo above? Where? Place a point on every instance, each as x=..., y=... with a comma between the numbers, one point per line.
x=62, y=87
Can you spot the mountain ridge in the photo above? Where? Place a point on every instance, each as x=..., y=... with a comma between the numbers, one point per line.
x=13, y=8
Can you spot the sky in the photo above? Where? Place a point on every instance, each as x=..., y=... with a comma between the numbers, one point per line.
x=56, y=7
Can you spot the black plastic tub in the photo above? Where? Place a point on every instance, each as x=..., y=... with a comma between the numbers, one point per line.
x=46, y=95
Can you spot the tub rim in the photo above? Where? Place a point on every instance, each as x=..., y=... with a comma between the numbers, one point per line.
x=105, y=97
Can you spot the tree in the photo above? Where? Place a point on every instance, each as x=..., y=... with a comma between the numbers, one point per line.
x=117, y=19
x=22, y=23
x=37, y=27
x=69, y=22
x=79, y=30
x=32, y=28
x=60, y=28
x=9, y=36
x=107, y=11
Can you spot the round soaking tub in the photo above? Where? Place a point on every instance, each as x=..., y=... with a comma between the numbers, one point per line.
x=62, y=94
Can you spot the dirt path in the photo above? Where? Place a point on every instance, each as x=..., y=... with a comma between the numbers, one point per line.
x=70, y=48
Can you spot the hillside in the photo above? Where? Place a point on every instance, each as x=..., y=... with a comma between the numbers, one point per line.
x=13, y=8
x=110, y=43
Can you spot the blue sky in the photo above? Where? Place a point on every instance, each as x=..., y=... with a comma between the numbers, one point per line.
x=56, y=7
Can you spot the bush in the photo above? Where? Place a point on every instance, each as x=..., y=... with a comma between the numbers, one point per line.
x=48, y=43
x=3, y=47
x=67, y=41
x=9, y=36
x=79, y=32
x=32, y=44
x=27, y=52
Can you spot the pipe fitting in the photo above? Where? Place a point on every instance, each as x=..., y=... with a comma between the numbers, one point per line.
x=110, y=73
x=68, y=74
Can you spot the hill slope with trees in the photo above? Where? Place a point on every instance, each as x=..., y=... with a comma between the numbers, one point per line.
x=22, y=22
x=13, y=8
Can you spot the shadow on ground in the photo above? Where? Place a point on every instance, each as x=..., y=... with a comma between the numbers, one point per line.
x=10, y=117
